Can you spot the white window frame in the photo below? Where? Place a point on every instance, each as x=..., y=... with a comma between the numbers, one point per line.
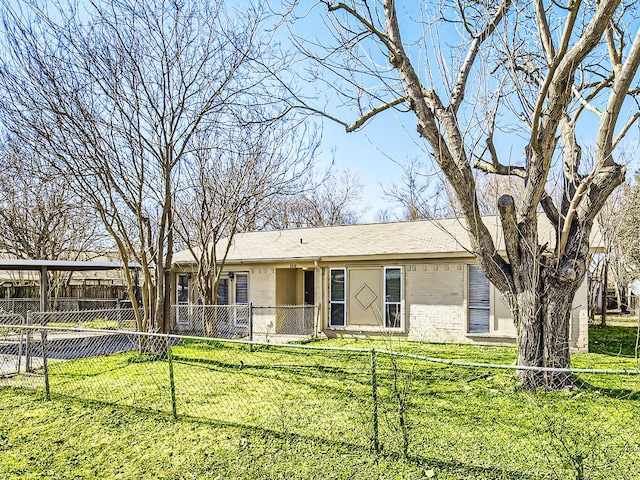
x=245, y=320
x=399, y=304
x=342, y=302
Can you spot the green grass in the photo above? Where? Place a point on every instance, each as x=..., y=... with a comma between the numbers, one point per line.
x=613, y=340
x=618, y=319
x=97, y=323
x=308, y=413
x=68, y=439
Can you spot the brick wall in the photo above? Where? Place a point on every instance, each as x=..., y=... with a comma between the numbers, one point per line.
x=436, y=302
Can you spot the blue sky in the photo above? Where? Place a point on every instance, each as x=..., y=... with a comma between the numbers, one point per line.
x=375, y=151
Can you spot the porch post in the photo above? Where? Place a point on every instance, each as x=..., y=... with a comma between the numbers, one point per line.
x=44, y=289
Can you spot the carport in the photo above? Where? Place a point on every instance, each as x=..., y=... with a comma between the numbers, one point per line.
x=44, y=266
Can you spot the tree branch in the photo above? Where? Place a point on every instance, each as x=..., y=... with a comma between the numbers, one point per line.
x=510, y=228
x=366, y=23
x=500, y=169
x=324, y=114
x=571, y=212
x=564, y=44
x=584, y=102
x=550, y=209
x=625, y=129
x=373, y=112
x=543, y=29
x=613, y=53
x=458, y=92
x=604, y=142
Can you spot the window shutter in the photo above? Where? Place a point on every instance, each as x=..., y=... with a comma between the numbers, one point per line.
x=478, y=301
x=242, y=288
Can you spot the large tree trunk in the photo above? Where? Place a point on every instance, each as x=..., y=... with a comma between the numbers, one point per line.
x=557, y=321
x=529, y=331
x=542, y=315
x=541, y=297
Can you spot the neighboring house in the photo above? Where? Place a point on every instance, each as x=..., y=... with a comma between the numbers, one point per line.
x=413, y=279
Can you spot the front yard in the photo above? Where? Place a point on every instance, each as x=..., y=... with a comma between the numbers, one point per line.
x=289, y=412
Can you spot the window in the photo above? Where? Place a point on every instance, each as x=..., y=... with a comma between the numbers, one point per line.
x=183, y=289
x=392, y=297
x=478, y=301
x=223, y=291
x=241, y=299
x=182, y=299
x=337, y=297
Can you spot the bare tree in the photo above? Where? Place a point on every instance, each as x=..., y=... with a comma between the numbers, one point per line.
x=420, y=194
x=114, y=95
x=423, y=194
x=40, y=217
x=331, y=200
x=538, y=71
x=621, y=235
x=629, y=232
x=227, y=179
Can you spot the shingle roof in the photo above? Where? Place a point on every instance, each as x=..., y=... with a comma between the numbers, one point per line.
x=431, y=238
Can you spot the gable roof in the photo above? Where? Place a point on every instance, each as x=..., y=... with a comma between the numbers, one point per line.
x=416, y=239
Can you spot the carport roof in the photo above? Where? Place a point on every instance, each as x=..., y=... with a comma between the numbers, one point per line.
x=61, y=265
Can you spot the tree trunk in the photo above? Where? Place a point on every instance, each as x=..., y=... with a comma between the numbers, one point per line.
x=557, y=320
x=542, y=327
x=542, y=315
x=529, y=331
x=207, y=286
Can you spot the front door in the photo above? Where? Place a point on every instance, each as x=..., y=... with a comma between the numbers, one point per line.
x=365, y=297
x=309, y=288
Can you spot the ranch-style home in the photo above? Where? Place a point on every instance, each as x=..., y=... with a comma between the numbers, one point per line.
x=413, y=279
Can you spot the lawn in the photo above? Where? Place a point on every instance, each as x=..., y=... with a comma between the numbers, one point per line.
x=288, y=412
x=70, y=439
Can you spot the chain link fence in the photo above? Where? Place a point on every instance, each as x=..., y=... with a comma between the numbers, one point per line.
x=23, y=305
x=282, y=323
x=469, y=419
x=220, y=321
x=11, y=343
x=23, y=348
x=106, y=319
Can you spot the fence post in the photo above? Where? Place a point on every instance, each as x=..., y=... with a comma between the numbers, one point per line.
x=20, y=350
x=43, y=339
x=27, y=348
x=251, y=327
x=374, y=397
x=172, y=383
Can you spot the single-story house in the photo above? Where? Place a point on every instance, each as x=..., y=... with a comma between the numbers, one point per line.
x=414, y=279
